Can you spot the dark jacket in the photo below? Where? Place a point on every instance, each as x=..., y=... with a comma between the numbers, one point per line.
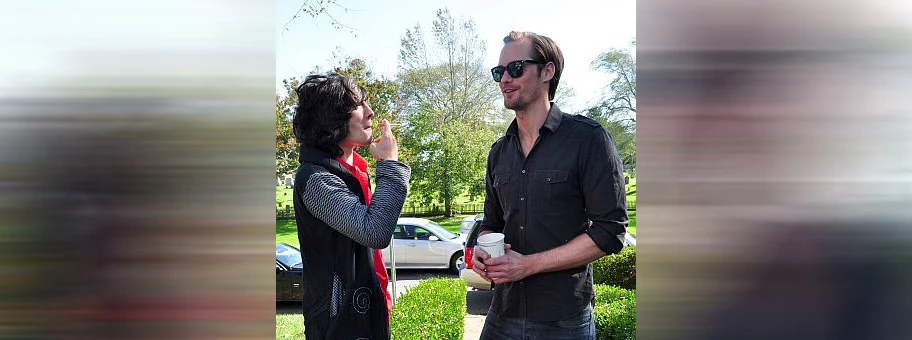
x=342, y=295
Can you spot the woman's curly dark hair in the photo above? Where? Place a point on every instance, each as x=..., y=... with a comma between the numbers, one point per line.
x=325, y=102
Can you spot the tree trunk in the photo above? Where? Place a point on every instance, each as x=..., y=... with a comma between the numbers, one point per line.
x=447, y=196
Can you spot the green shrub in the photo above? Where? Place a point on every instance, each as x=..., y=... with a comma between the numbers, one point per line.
x=616, y=269
x=605, y=294
x=289, y=326
x=434, y=309
x=616, y=320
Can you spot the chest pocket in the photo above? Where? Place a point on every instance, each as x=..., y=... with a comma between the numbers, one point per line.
x=550, y=187
x=501, y=179
x=550, y=176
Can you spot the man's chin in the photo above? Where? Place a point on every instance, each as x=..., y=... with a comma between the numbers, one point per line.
x=515, y=106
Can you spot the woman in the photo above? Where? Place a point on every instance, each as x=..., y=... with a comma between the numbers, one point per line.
x=341, y=224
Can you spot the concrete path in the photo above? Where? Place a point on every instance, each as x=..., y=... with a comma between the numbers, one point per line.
x=477, y=303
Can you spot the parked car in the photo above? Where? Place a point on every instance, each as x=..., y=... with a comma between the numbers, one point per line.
x=470, y=276
x=468, y=222
x=421, y=243
x=289, y=273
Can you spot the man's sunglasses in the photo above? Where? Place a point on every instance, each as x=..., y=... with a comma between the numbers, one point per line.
x=514, y=68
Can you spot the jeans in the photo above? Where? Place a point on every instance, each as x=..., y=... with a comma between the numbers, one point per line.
x=578, y=327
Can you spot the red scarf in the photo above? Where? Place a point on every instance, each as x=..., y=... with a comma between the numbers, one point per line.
x=359, y=169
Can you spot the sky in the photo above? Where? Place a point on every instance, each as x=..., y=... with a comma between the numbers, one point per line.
x=582, y=29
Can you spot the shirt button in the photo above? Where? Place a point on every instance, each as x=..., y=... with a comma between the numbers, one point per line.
x=524, y=171
x=522, y=198
x=549, y=179
x=520, y=227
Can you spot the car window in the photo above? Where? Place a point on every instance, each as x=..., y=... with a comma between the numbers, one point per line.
x=407, y=232
x=422, y=234
x=289, y=256
x=444, y=234
x=399, y=233
x=473, y=234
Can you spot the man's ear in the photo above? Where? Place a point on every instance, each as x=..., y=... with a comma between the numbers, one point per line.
x=547, y=72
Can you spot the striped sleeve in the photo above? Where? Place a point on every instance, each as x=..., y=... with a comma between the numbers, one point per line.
x=329, y=200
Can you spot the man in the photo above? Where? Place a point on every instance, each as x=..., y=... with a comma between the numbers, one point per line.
x=555, y=189
x=341, y=224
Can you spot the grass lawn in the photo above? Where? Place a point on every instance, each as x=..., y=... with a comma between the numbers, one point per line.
x=449, y=223
x=283, y=197
x=289, y=326
x=287, y=231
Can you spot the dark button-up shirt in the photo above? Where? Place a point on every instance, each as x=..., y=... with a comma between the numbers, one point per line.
x=571, y=183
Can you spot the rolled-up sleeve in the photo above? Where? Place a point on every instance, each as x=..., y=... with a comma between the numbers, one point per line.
x=602, y=177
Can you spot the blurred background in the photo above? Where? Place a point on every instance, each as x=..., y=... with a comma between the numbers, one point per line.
x=774, y=170
x=136, y=169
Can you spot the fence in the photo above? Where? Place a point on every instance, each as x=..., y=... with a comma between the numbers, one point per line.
x=411, y=211
x=458, y=209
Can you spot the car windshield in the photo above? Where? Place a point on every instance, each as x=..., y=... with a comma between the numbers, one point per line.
x=445, y=234
x=289, y=256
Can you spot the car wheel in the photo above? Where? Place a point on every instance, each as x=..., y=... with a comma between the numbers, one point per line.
x=457, y=262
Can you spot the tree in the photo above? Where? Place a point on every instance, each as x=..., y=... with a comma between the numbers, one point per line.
x=616, y=111
x=620, y=102
x=449, y=108
x=382, y=98
x=286, y=145
x=564, y=96
x=317, y=8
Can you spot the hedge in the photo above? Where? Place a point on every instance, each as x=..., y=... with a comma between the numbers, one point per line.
x=614, y=313
x=616, y=320
x=605, y=294
x=434, y=309
x=616, y=269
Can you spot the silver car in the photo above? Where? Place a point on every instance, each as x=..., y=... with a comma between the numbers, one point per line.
x=468, y=222
x=421, y=243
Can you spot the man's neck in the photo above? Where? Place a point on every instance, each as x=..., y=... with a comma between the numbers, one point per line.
x=531, y=119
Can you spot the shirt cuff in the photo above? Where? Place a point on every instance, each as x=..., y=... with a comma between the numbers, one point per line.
x=395, y=169
x=607, y=242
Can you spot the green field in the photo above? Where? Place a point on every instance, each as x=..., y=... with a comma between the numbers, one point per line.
x=287, y=231
x=283, y=197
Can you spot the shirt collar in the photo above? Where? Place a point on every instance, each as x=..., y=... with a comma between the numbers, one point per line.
x=552, y=122
x=358, y=163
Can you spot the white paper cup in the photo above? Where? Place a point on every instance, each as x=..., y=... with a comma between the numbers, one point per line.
x=492, y=243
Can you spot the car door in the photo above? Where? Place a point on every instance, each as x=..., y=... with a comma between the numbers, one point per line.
x=427, y=253
x=288, y=284
x=289, y=273
x=401, y=249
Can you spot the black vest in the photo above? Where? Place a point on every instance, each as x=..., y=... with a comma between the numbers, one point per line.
x=356, y=309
